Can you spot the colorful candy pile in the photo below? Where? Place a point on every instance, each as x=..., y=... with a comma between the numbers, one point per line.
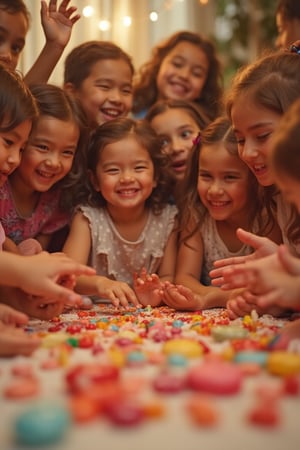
x=124, y=366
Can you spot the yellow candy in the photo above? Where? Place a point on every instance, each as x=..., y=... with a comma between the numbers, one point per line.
x=283, y=363
x=185, y=347
x=54, y=339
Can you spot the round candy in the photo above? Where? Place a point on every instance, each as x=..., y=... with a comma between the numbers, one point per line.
x=215, y=377
x=259, y=357
x=223, y=332
x=186, y=347
x=283, y=363
x=41, y=425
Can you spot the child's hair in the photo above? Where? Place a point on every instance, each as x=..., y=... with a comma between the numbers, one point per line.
x=285, y=155
x=114, y=131
x=79, y=62
x=16, y=101
x=14, y=7
x=190, y=205
x=289, y=9
x=192, y=109
x=272, y=82
x=145, y=91
x=54, y=102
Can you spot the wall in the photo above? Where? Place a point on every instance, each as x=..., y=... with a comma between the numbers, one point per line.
x=137, y=40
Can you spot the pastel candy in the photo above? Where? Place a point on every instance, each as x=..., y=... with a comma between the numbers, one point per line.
x=42, y=424
x=248, y=356
x=283, y=363
x=215, y=377
x=223, y=332
x=186, y=347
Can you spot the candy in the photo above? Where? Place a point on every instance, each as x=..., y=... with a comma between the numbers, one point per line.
x=283, y=363
x=22, y=388
x=186, y=347
x=41, y=424
x=215, y=377
x=223, y=332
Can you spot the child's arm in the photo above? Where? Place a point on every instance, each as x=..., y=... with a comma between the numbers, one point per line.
x=188, y=273
x=275, y=280
x=57, y=26
x=77, y=246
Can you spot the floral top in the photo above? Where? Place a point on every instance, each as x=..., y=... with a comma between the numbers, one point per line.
x=214, y=248
x=115, y=257
x=45, y=219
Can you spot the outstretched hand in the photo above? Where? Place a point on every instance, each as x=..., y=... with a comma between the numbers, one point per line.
x=262, y=247
x=148, y=288
x=57, y=23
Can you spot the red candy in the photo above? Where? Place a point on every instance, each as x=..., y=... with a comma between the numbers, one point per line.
x=215, y=377
x=125, y=413
x=169, y=383
x=81, y=377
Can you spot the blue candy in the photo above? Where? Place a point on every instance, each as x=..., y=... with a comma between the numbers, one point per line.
x=42, y=424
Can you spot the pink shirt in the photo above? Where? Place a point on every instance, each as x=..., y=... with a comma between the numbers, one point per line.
x=45, y=219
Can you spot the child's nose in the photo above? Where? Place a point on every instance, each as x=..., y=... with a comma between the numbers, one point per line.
x=14, y=158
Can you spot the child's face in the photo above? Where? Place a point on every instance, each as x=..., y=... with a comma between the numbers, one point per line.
x=289, y=187
x=124, y=174
x=49, y=154
x=288, y=31
x=223, y=183
x=253, y=126
x=177, y=130
x=107, y=92
x=13, y=30
x=11, y=144
x=182, y=73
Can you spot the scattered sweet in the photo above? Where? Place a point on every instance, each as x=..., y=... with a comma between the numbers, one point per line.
x=42, y=424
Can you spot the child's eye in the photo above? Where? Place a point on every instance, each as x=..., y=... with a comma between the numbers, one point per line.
x=69, y=153
x=8, y=142
x=16, y=49
x=231, y=177
x=127, y=91
x=186, y=134
x=204, y=176
x=164, y=142
x=264, y=136
x=42, y=147
x=112, y=171
x=140, y=168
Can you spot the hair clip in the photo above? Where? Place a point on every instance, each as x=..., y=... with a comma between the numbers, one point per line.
x=295, y=48
x=197, y=139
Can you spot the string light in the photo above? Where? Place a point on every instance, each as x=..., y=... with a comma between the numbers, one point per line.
x=153, y=16
x=126, y=21
x=88, y=11
x=104, y=25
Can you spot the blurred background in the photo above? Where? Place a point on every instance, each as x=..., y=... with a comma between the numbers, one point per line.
x=241, y=29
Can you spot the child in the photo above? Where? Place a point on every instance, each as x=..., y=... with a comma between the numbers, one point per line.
x=184, y=67
x=124, y=224
x=14, y=25
x=275, y=279
x=260, y=94
x=32, y=197
x=220, y=195
x=284, y=160
x=99, y=75
x=40, y=275
x=177, y=123
x=288, y=22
